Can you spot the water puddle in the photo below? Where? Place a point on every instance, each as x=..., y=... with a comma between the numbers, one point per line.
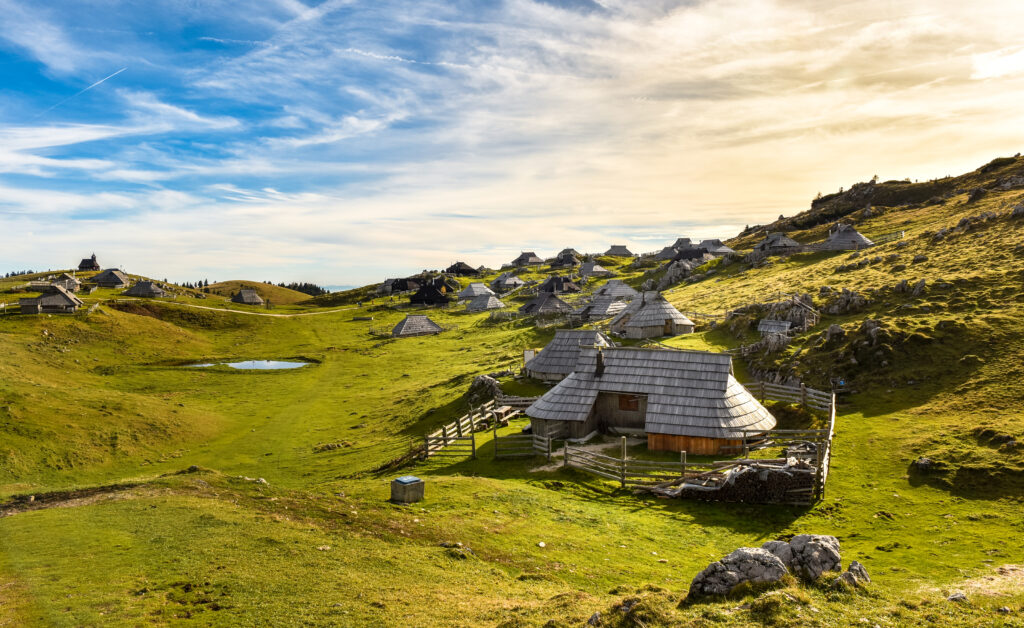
x=260, y=365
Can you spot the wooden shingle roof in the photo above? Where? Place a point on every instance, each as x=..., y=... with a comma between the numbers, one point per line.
x=689, y=393
x=111, y=277
x=561, y=355
x=145, y=289
x=618, y=250
x=650, y=310
x=57, y=296
x=776, y=241
x=546, y=303
x=844, y=237
x=475, y=290
x=593, y=268
x=526, y=258
x=716, y=247
x=559, y=284
x=415, y=325
x=484, y=302
x=601, y=306
x=616, y=288
x=767, y=326
x=248, y=296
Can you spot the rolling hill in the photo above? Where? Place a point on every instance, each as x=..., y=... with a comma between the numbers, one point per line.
x=275, y=294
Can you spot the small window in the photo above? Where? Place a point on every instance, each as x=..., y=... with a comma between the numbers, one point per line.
x=629, y=403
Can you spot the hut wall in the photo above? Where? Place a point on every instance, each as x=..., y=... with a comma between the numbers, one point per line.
x=619, y=410
x=696, y=445
x=548, y=377
x=656, y=331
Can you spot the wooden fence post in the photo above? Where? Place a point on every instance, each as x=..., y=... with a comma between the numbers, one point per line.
x=458, y=424
x=444, y=434
x=426, y=447
x=682, y=461
x=803, y=394
x=472, y=423
x=565, y=453
x=495, y=424
x=623, y=475
x=762, y=390
x=472, y=441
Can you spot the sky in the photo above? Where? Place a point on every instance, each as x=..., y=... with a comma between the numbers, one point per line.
x=343, y=141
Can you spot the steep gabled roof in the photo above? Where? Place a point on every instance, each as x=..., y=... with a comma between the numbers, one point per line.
x=589, y=269
x=145, y=289
x=689, y=393
x=558, y=284
x=844, y=237
x=618, y=250
x=111, y=276
x=484, y=302
x=560, y=355
x=653, y=311
x=569, y=251
x=683, y=243
x=431, y=294
x=248, y=296
x=506, y=281
x=616, y=288
x=527, y=257
x=461, y=268
x=716, y=247
x=58, y=296
x=602, y=306
x=776, y=241
x=415, y=325
x=475, y=290
x=666, y=253
x=546, y=303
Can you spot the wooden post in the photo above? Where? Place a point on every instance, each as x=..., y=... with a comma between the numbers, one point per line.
x=803, y=394
x=682, y=461
x=565, y=453
x=426, y=447
x=746, y=446
x=549, y=447
x=458, y=426
x=472, y=441
x=444, y=434
x=495, y=424
x=623, y=476
x=472, y=423
x=762, y=390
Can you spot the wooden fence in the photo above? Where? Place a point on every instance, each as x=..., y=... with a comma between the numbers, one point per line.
x=515, y=402
x=624, y=470
x=458, y=438
x=816, y=399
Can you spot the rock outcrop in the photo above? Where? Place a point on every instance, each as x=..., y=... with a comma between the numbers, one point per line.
x=747, y=564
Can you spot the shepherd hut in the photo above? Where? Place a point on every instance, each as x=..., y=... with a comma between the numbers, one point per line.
x=767, y=326
x=681, y=400
x=247, y=296
x=415, y=325
x=506, y=282
x=616, y=288
x=546, y=304
x=651, y=316
x=484, y=302
x=68, y=282
x=111, y=278
x=527, y=258
x=474, y=290
x=844, y=237
x=559, y=285
x=146, y=289
x=561, y=355
x=593, y=269
x=431, y=294
x=462, y=269
x=716, y=247
x=778, y=244
x=618, y=250
x=565, y=260
x=89, y=264
x=56, y=300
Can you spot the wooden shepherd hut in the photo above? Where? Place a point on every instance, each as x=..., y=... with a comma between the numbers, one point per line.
x=474, y=290
x=593, y=269
x=716, y=247
x=89, y=264
x=767, y=326
x=68, y=282
x=844, y=237
x=145, y=289
x=546, y=304
x=56, y=300
x=618, y=250
x=506, y=282
x=415, y=325
x=111, y=278
x=601, y=307
x=462, y=269
x=616, y=288
x=247, y=296
x=560, y=356
x=484, y=302
x=651, y=316
x=559, y=285
x=681, y=400
x=527, y=258
x=778, y=244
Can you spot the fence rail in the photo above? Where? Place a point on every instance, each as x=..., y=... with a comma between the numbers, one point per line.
x=816, y=399
x=515, y=402
x=458, y=438
x=626, y=471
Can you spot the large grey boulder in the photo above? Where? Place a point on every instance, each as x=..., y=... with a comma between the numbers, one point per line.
x=747, y=564
x=814, y=554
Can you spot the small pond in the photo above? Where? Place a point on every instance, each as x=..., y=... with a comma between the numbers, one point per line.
x=262, y=365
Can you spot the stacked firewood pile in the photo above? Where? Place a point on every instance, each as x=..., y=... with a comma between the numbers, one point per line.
x=773, y=481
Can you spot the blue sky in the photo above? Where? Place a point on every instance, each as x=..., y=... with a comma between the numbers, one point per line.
x=344, y=141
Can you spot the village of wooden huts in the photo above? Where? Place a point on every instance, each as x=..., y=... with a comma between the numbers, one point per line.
x=55, y=300
x=89, y=264
x=247, y=296
x=715, y=247
x=565, y=260
x=436, y=291
x=111, y=278
x=415, y=325
x=146, y=289
x=651, y=316
x=560, y=356
x=681, y=400
x=618, y=250
x=545, y=304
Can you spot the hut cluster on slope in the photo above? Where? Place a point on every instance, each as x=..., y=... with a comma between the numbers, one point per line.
x=841, y=237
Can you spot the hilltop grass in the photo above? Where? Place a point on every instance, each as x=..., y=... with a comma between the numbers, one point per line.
x=102, y=398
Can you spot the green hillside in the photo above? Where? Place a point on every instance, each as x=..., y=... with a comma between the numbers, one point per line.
x=277, y=295
x=222, y=497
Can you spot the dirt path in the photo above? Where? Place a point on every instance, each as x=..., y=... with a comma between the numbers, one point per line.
x=63, y=499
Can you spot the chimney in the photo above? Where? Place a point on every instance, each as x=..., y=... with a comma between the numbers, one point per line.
x=599, y=370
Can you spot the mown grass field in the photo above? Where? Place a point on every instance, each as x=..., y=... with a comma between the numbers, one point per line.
x=194, y=537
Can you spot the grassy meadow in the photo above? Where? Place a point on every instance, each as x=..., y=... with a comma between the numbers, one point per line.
x=222, y=506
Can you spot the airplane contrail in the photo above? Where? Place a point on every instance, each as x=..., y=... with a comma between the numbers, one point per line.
x=106, y=78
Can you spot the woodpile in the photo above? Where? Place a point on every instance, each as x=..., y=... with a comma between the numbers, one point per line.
x=775, y=481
